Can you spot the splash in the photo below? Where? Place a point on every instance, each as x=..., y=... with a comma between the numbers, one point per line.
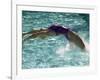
x=70, y=47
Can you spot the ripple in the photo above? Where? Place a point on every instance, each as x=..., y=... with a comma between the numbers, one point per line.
x=41, y=53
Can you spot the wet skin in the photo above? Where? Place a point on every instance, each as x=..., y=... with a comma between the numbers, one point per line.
x=42, y=33
x=54, y=30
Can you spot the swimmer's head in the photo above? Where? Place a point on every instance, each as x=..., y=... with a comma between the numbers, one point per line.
x=58, y=29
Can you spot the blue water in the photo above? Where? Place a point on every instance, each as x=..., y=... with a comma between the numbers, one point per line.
x=46, y=53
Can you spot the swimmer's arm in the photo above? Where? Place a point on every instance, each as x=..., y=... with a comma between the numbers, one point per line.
x=31, y=32
x=42, y=33
x=73, y=37
x=25, y=33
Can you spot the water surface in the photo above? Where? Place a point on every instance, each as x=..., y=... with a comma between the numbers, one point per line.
x=52, y=52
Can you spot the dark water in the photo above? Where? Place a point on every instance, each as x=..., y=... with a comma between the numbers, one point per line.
x=53, y=51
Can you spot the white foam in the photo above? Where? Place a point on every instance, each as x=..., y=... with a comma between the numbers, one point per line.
x=62, y=50
x=71, y=47
x=86, y=46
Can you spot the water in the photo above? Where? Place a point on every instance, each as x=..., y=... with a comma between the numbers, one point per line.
x=54, y=51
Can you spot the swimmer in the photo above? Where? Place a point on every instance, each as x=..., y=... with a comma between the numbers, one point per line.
x=57, y=30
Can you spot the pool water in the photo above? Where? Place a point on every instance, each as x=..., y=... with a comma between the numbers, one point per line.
x=54, y=51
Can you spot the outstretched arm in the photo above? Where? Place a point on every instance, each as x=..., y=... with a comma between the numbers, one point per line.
x=42, y=33
x=31, y=32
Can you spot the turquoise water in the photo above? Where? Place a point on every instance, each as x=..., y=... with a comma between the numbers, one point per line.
x=53, y=51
